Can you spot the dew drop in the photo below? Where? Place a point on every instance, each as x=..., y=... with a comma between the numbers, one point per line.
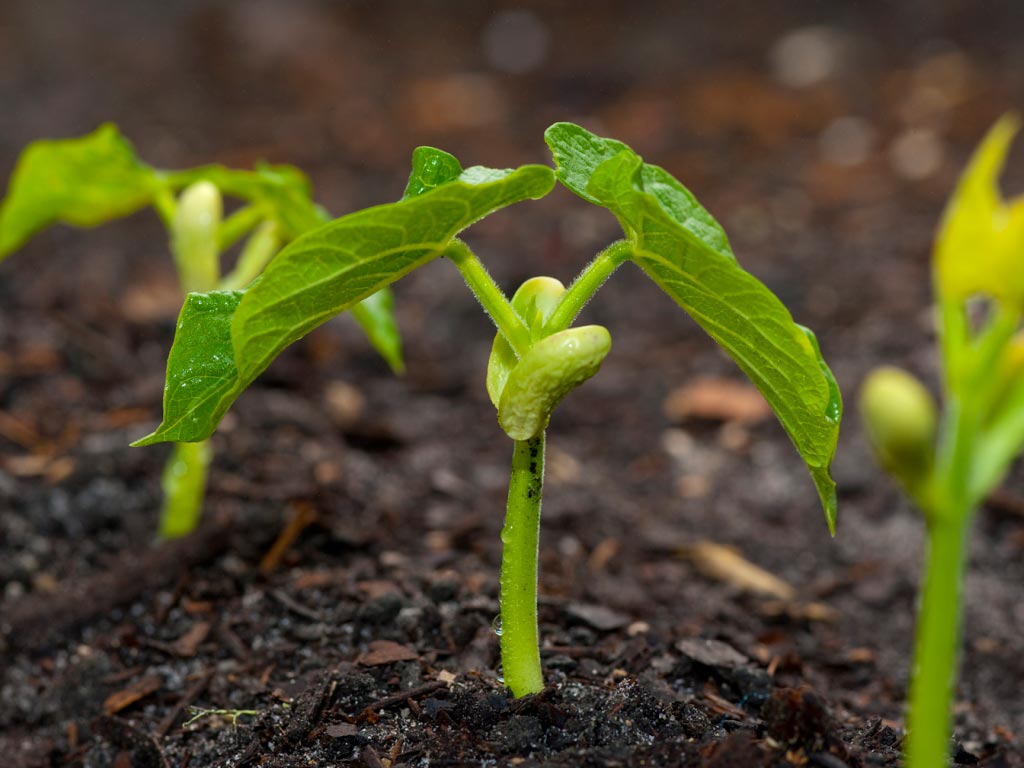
x=496, y=625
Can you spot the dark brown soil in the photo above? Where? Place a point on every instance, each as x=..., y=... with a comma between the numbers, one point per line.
x=368, y=641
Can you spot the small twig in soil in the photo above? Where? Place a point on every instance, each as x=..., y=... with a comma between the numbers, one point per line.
x=295, y=606
x=300, y=516
x=402, y=696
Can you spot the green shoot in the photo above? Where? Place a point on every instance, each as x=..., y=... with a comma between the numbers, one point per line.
x=96, y=178
x=232, y=715
x=949, y=465
x=226, y=339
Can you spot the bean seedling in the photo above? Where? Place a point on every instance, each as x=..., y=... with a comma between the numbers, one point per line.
x=225, y=339
x=96, y=178
x=949, y=464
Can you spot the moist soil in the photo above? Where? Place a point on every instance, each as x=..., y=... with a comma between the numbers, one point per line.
x=337, y=606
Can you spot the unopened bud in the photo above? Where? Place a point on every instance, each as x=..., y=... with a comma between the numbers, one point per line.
x=194, y=236
x=534, y=302
x=550, y=370
x=900, y=419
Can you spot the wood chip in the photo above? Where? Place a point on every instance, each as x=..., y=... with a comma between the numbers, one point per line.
x=188, y=644
x=446, y=677
x=374, y=588
x=138, y=690
x=798, y=611
x=341, y=730
x=386, y=652
x=711, y=653
x=597, y=616
x=716, y=399
x=726, y=565
x=345, y=404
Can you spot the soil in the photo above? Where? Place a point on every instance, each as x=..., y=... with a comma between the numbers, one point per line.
x=338, y=600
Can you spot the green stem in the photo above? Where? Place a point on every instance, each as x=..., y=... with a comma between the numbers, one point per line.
x=586, y=284
x=490, y=296
x=520, y=649
x=259, y=249
x=184, y=486
x=937, y=646
x=238, y=225
x=938, y=643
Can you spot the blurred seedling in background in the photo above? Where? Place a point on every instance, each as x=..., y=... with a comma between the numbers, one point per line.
x=226, y=339
x=948, y=463
x=90, y=180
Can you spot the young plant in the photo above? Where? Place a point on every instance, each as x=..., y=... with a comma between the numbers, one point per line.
x=96, y=178
x=949, y=464
x=226, y=339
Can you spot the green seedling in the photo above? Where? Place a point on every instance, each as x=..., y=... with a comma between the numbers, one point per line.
x=231, y=715
x=948, y=464
x=226, y=339
x=90, y=180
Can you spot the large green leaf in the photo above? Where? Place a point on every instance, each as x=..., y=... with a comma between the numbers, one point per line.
x=82, y=182
x=318, y=276
x=285, y=195
x=686, y=252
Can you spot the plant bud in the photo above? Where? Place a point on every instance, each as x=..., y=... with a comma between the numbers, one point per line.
x=552, y=368
x=534, y=301
x=194, y=236
x=900, y=420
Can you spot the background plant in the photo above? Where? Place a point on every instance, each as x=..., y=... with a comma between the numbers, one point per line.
x=90, y=180
x=949, y=463
x=226, y=339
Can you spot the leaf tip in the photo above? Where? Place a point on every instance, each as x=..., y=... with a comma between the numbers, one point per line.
x=151, y=439
x=827, y=493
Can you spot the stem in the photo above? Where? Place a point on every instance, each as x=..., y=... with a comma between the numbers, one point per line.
x=520, y=650
x=938, y=643
x=586, y=284
x=259, y=249
x=490, y=296
x=184, y=486
x=238, y=225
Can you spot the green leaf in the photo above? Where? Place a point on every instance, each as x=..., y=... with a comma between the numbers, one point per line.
x=283, y=192
x=318, y=276
x=285, y=196
x=200, y=369
x=82, y=182
x=980, y=245
x=686, y=252
x=376, y=316
x=430, y=168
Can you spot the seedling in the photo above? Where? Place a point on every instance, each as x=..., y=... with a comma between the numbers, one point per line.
x=96, y=178
x=226, y=339
x=948, y=464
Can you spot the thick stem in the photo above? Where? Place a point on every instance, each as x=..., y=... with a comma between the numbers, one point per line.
x=490, y=296
x=586, y=284
x=184, y=486
x=938, y=642
x=520, y=649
